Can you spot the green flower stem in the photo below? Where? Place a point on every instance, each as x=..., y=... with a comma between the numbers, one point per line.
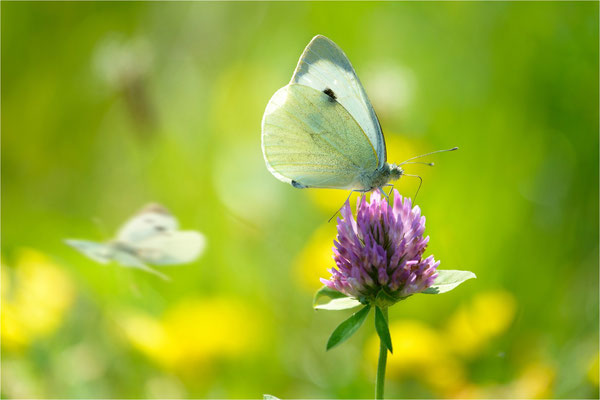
x=380, y=378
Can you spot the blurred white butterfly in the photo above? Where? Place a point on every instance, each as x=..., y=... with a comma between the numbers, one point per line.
x=149, y=237
x=320, y=130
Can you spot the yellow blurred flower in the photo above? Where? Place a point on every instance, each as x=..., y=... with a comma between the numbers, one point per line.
x=416, y=347
x=420, y=353
x=436, y=357
x=146, y=334
x=535, y=382
x=194, y=332
x=35, y=303
x=469, y=391
x=316, y=258
x=487, y=316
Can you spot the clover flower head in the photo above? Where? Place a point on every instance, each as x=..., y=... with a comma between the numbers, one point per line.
x=378, y=255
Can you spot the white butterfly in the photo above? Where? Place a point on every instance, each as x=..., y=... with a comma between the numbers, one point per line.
x=149, y=237
x=320, y=130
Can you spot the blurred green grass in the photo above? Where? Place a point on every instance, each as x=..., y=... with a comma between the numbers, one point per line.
x=106, y=106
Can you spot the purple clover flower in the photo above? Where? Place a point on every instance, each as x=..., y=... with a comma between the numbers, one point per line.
x=379, y=255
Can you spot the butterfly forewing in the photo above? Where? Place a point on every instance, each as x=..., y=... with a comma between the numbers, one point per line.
x=146, y=224
x=324, y=67
x=310, y=140
x=171, y=248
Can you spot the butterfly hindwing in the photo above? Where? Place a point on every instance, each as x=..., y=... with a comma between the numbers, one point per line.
x=127, y=257
x=310, y=140
x=171, y=248
x=99, y=252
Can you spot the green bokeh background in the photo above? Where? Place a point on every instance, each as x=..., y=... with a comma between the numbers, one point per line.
x=107, y=106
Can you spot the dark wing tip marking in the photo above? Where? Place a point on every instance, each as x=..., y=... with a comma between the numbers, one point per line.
x=330, y=93
x=298, y=185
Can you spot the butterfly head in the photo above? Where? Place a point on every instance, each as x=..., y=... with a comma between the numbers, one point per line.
x=395, y=172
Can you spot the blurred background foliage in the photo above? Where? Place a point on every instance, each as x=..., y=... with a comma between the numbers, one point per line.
x=107, y=106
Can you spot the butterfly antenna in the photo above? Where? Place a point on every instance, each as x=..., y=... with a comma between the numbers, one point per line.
x=419, y=188
x=347, y=198
x=429, y=164
x=428, y=154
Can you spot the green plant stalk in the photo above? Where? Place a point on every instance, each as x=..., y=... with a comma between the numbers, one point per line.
x=380, y=378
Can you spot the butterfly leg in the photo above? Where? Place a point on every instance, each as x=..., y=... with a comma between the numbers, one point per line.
x=419, y=188
x=339, y=209
x=388, y=194
x=146, y=268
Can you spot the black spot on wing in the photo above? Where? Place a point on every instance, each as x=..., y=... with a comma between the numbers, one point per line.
x=298, y=185
x=330, y=93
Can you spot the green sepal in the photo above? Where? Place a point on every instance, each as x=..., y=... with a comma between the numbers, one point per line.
x=348, y=327
x=337, y=300
x=383, y=330
x=447, y=280
x=384, y=299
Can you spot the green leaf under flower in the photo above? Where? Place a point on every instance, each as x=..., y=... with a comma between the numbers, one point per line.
x=335, y=300
x=447, y=280
x=326, y=291
x=348, y=327
x=381, y=326
x=343, y=303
